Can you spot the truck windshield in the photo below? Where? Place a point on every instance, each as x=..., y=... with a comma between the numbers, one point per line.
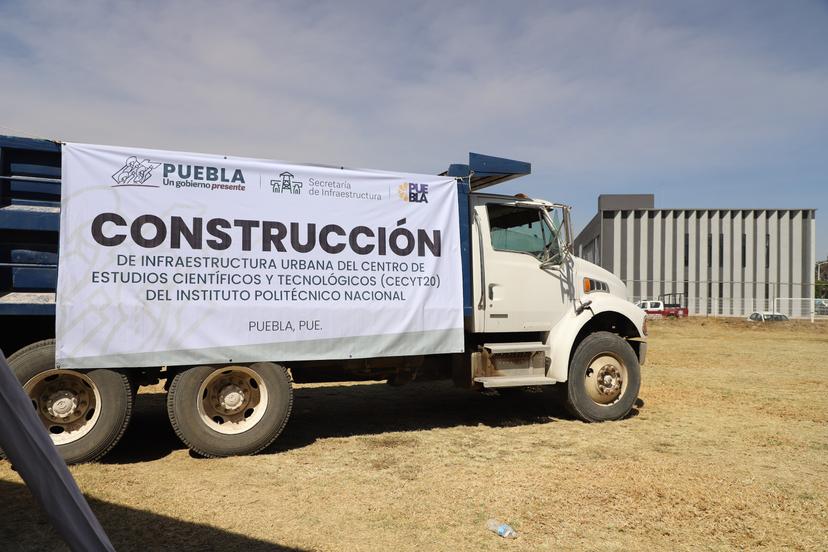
x=522, y=230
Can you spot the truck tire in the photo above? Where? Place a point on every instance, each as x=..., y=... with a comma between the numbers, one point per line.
x=604, y=378
x=85, y=412
x=230, y=410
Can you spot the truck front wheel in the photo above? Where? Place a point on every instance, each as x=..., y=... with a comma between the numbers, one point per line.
x=604, y=378
x=85, y=412
x=230, y=410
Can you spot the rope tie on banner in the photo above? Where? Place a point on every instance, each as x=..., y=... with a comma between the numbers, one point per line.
x=467, y=177
x=31, y=135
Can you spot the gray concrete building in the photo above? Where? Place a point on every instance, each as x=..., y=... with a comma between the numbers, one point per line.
x=727, y=262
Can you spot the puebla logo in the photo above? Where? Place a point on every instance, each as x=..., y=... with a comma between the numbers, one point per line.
x=202, y=173
x=135, y=172
x=412, y=192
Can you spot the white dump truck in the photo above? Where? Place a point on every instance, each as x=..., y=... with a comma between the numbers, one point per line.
x=232, y=278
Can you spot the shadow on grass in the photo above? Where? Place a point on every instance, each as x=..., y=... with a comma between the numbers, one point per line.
x=25, y=527
x=343, y=410
x=149, y=435
x=350, y=410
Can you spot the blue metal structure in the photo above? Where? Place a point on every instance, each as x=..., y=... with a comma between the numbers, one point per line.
x=30, y=219
x=484, y=170
x=29, y=222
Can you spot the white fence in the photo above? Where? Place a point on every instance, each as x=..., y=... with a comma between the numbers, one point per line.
x=733, y=299
x=802, y=307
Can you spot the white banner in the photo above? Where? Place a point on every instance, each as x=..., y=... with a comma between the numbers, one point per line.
x=170, y=258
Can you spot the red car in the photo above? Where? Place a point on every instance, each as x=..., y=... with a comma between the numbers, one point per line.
x=663, y=309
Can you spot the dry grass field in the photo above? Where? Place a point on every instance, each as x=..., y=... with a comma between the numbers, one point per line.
x=728, y=449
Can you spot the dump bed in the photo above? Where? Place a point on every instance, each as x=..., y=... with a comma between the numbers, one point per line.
x=29, y=221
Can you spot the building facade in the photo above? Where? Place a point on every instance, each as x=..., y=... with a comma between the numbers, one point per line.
x=727, y=262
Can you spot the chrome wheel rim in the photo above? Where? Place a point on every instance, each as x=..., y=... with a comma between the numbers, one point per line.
x=232, y=400
x=66, y=401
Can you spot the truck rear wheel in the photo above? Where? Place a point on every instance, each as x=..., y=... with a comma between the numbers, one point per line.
x=85, y=412
x=230, y=410
x=604, y=378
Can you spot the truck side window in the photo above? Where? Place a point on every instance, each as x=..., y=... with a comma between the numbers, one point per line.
x=522, y=230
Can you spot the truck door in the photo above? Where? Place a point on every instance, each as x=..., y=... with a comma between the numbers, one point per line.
x=526, y=283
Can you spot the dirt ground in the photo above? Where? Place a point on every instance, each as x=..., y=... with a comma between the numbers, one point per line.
x=727, y=449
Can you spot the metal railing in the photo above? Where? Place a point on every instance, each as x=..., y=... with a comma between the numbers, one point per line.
x=736, y=299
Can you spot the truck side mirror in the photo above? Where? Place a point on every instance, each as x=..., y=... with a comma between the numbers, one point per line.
x=568, y=248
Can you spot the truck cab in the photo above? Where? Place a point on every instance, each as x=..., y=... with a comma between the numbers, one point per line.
x=536, y=315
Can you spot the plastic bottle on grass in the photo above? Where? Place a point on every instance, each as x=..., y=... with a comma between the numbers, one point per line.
x=503, y=529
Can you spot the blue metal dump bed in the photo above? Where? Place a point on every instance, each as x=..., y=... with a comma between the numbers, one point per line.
x=29, y=222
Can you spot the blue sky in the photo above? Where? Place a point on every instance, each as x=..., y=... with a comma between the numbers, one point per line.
x=705, y=104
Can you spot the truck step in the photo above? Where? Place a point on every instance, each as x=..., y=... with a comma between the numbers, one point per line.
x=521, y=347
x=513, y=381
